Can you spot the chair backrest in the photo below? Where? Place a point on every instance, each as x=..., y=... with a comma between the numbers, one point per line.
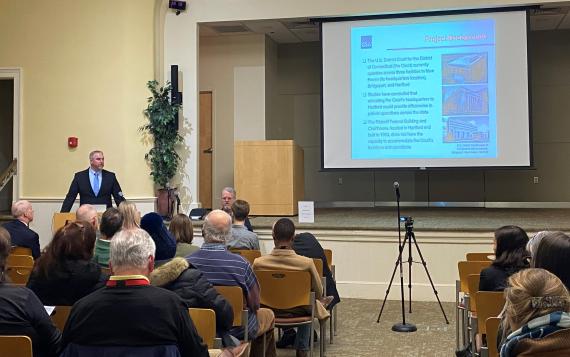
x=59, y=316
x=16, y=346
x=319, y=265
x=106, y=270
x=489, y=304
x=248, y=254
x=234, y=295
x=328, y=255
x=472, y=288
x=205, y=322
x=470, y=267
x=281, y=289
x=492, y=329
x=59, y=220
x=480, y=257
x=19, y=268
x=21, y=251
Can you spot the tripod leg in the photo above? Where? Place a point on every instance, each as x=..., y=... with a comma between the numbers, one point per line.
x=413, y=238
x=398, y=263
x=410, y=261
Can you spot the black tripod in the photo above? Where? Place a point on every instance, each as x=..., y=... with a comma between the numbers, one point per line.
x=409, y=238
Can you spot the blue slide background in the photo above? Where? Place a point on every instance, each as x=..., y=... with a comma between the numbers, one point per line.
x=373, y=45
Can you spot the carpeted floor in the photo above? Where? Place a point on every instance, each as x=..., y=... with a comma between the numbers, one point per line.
x=358, y=334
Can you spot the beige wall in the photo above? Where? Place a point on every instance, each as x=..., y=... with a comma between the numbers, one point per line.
x=184, y=50
x=297, y=81
x=85, y=65
x=220, y=59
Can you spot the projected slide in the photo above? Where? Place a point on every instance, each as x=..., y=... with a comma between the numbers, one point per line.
x=425, y=90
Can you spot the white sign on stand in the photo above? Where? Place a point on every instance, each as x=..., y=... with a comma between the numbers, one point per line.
x=306, y=212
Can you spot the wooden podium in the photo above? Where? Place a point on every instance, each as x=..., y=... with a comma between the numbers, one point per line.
x=270, y=176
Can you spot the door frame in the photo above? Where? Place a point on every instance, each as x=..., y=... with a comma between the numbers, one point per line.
x=15, y=74
x=213, y=144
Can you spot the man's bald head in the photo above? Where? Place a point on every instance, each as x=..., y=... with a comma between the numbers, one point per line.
x=22, y=210
x=217, y=227
x=88, y=213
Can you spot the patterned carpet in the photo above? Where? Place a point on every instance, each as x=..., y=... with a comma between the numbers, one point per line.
x=360, y=335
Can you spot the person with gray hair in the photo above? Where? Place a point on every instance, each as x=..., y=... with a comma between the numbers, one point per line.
x=228, y=198
x=221, y=267
x=19, y=228
x=118, y=319
x=94, y=185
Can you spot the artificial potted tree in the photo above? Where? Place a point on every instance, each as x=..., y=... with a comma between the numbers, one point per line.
x=162, y=126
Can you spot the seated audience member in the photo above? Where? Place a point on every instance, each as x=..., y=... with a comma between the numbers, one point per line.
x=553, y=254
x=510, y=257
x=20, y=232
x=131, y=216
x=88, y=213
x=111, y=223
x=182, y=230
x=153, y=224
x=130, y=316
x=536, y=315
x=307, y=245
x=196, y=291
x=283, y=257
x=228, y=198
x=65, y=272
x=534, y=242
x=241, y=237
x=22, y=313
x=221, y=267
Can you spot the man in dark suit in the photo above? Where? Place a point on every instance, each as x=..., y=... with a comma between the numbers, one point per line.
x=21, y=234
x=94, y=185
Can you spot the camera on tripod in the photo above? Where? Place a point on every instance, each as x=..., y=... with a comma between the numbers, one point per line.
x=408, y=219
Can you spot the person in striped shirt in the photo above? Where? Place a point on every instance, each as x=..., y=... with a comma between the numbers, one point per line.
x=221, y=267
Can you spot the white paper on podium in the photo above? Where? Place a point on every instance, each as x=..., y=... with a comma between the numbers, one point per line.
x=306, y=212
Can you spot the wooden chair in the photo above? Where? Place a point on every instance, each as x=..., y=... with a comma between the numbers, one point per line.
x=465, y=268
x=234, y=295
x=205, y=322
x=332, y=268
x=21, y=251
x=60, y=219
x=492, y=329
x=319, y=265
x=59, y=316
x=283, y=290
x=328, y=255
x=16, y=346
x=489, y=304
x=247, y=254
x=19, y=268
x=471, y=305
x=481, y=257
x=106, y=270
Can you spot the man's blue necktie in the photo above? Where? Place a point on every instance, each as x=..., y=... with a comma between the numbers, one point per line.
x=96, y=184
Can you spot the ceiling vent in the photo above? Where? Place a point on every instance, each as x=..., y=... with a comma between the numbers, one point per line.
x=231, y=29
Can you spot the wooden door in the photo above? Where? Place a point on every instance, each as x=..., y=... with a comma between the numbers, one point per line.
x=205, y=160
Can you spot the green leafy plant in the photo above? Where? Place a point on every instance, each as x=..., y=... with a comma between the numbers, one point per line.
x=162, y=119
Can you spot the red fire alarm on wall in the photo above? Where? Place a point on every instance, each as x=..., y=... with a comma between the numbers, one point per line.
x=72, y=142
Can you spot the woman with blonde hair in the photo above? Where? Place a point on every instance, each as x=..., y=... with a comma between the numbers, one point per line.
x=131, y=216
x=182, y=230
x=536, y=316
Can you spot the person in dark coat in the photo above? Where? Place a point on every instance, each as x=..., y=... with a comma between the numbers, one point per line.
x=153, y=224
x=22, y=313
x=306, y=244
x=190, y=284
x=65, y=272
x=94, y=185
x=20, y=233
